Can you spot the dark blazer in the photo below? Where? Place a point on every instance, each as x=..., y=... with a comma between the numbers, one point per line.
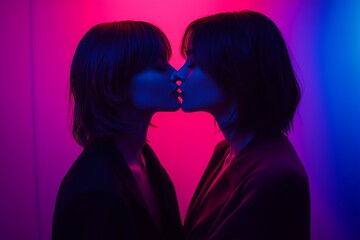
x=263, y=194
x=100, y=199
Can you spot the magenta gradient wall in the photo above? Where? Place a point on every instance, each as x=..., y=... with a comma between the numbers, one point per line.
x=39, y=37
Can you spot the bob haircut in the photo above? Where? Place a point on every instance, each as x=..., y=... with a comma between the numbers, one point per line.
x=105, y=60
x=247, y=56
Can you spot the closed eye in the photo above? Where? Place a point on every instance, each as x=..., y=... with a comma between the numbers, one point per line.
x=160, y=66
x=191, y=63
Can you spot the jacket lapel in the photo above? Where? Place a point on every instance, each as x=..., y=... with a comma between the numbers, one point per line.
x=170, y=221
x=196, y=208
x=212, y=204
x=126, y=178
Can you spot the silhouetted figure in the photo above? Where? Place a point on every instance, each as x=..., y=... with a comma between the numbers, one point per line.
x=117, y=188
x=255, y=187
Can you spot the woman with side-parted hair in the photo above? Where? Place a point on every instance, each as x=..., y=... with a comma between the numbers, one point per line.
x=117, y=188
x=255, y=187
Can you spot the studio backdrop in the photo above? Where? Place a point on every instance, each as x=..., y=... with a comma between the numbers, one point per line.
x=38, y=40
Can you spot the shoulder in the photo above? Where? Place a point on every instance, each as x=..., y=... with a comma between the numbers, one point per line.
x=280, y=180
x=273, y=167
x=280, y=195
x=92, y=169
x=277, y=196
x=276, y=160
x=91, y=172
x=279, y=183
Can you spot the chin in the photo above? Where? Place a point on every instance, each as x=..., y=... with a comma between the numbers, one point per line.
x=171, y=107
x=188, y=108
x=175, y=108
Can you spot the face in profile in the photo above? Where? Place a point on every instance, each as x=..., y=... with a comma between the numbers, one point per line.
x=200, y=92
x=153, y=89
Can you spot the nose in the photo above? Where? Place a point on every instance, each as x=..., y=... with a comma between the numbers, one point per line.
x=179, y=75
x=171, y=69
x=176, y=77
x=173, y=76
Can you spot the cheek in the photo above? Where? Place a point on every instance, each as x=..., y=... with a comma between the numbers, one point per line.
x=148, y=91
x=193, y=84
x=203, y=89
x=143, y=93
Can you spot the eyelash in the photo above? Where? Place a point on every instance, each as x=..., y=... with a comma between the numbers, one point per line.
x=160, y=67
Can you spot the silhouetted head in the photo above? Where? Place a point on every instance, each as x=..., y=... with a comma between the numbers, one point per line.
x=119, y=67
x=239, y=58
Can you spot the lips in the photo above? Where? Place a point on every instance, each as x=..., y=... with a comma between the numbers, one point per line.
x=181, y=92
x=176, y=90
x=178, y=94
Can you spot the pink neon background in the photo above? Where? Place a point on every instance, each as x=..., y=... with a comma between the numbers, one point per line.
x=37, y=44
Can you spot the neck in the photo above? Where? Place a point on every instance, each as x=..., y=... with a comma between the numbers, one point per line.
x=236, y=142
x=130, y=144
